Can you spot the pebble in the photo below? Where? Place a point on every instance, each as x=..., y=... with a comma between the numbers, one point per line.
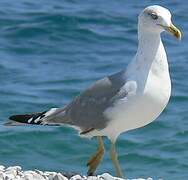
x=107, y=176
x=17, y=168
x=76, y=177
x=1, y=176
x=59, y=176
x=2, y=168
x=16, y=173
x=93, y=178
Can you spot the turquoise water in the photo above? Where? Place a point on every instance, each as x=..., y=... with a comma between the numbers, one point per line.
x=51, y=50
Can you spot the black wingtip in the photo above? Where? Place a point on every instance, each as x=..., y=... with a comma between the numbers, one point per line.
x=28, y=118
x=20, y=118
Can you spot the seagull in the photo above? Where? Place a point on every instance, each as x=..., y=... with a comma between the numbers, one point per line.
x=126, y=100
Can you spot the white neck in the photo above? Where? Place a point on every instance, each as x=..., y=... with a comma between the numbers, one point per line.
x=149, y=59
x=150, y=52
x=148, y=44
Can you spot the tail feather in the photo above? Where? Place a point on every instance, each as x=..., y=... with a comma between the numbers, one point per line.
x=54, y=116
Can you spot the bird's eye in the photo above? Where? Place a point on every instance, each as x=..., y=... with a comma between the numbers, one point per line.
x=154, y=16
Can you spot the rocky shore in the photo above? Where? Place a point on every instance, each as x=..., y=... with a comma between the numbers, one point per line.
x=16, y=173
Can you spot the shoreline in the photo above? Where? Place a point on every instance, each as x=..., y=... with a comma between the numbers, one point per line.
x=16, y=173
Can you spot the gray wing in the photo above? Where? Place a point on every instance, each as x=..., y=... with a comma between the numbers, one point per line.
x=86, y=111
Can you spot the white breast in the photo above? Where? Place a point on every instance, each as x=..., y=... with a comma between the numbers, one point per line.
x=140, y=109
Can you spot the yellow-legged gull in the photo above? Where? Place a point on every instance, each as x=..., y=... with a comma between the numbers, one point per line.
x=126, y=100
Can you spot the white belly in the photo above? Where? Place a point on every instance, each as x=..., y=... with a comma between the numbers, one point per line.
x=137, y=110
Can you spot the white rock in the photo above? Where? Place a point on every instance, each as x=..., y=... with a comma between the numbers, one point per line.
x=38, y=177
x=107, y=176
x=38, y=172
x=84, y=177
x=32, y=175
x=50, y=177
x=16, y=173
x=59, y=176
x=41, y=173
x=76, y=177
x=11, y=172
x=17, y=168
x=9, y=176
x=2, y=168
x=93, y=178
x=48, y=173
x=28, y=176
x=1, y=176
x=18, y=177
x=20, y=173
x=28, y=172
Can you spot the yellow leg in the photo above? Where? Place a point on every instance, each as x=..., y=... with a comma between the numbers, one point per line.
x=95, y=160
x=115, y=161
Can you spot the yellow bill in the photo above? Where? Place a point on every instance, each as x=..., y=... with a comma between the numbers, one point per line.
x=174, y=31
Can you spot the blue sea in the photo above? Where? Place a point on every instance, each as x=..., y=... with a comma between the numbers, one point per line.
x=50, y=51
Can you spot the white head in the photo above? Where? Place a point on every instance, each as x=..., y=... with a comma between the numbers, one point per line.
x=157, y=19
